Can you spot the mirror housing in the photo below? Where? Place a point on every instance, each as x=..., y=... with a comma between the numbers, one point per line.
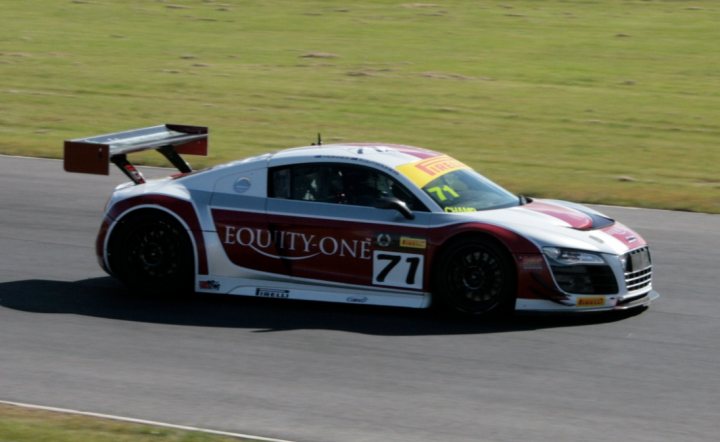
x=396, y=204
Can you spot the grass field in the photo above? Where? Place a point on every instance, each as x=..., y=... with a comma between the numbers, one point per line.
x=599, y=101
x=26, y=425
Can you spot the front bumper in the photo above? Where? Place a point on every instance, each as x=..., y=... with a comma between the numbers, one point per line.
x=630, y=302
x=588, y=303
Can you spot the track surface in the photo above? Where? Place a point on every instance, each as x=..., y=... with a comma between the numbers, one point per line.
x=71, y=337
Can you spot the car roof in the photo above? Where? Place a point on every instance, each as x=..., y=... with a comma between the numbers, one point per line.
x=390, y=155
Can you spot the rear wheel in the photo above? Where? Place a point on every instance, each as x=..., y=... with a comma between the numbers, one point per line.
x=474, y=277
x=151, y=252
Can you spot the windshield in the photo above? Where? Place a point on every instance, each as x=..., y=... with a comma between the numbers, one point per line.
x=465, y=190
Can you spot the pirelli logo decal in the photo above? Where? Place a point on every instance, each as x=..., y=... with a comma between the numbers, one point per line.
x=396, y=242
x=423, y=171
x=439, y=165
x=272, y=293
x=591, y=301
x=413, y=243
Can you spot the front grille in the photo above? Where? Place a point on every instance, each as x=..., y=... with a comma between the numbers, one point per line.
x=638, y=269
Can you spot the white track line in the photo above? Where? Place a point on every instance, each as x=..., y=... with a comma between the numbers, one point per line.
x=142, y=421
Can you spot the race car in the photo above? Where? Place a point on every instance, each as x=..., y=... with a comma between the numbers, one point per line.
x=358, y=223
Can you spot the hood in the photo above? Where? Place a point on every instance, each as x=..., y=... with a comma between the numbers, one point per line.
x=564, y=224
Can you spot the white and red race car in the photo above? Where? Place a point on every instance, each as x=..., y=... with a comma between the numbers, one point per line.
x=358, y=223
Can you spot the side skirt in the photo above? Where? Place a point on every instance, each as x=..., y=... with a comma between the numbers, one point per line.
x=307, y=292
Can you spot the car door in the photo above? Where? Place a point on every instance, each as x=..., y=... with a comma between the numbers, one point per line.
x=237, y=207
x=327, y=227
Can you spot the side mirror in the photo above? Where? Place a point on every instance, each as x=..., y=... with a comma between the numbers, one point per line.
x=394, y=203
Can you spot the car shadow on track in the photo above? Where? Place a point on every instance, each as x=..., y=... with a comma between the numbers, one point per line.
x=106, y=298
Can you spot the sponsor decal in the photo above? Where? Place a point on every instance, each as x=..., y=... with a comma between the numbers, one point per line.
x=439, y=165
x=423, y=171
x=357, y=299
x=413, y=243
x=395, y=241
x=532, y=262
x=384, y=240
x=591, y=301
x=395, y=269
x=209, y=285
x=295, y=245
x=459, y=209
x=272, y=293
x=242, y=185
x=134, y=174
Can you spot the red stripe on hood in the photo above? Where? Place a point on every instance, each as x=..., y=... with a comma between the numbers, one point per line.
x=626, y=236
x=575, y=218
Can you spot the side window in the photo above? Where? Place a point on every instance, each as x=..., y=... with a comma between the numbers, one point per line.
x=305, y=183
x=337, y=184
x=365, y=186
x=280, y=183
x=361, y=186
x=302, y=182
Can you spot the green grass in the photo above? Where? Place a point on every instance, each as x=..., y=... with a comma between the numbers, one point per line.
x=602, y=101
x=27, y=425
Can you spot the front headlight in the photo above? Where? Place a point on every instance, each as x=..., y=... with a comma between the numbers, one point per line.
x=569, y=257
x=580, y=272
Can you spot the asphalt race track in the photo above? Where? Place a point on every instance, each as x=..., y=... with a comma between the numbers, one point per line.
x=72, y=337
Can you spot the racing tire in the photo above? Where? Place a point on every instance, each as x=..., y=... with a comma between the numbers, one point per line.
x=474, y=276
x=151, y=253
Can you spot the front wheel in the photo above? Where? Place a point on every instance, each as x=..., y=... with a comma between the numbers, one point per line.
x=474, y=277
x=151, y=253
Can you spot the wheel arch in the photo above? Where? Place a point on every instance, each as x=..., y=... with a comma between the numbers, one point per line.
x=181, y=211
x=149, y=211
x=511, y=244
x=508, y=240
x=463, y=237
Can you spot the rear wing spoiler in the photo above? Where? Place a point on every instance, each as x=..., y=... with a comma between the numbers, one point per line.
x=94, y=154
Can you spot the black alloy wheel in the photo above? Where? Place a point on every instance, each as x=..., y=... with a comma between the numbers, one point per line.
x=152, y=253
x=474, y=277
